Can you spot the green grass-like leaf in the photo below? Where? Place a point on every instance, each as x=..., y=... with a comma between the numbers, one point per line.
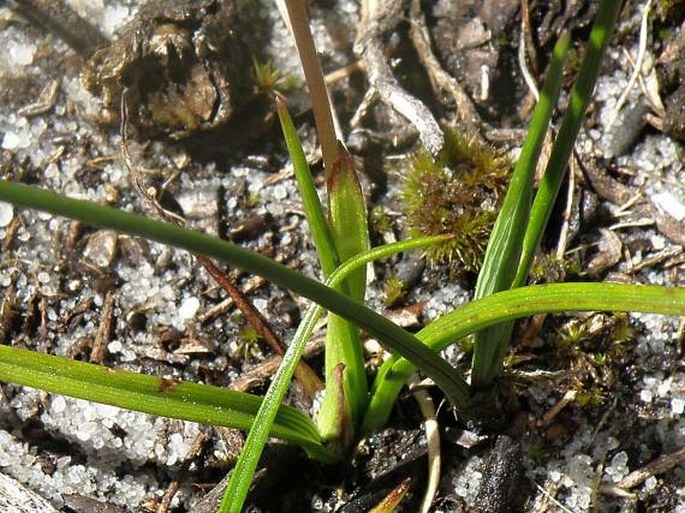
x=343, y=405
x=150, y=394
x=501, y=271
x=316, y=216
x=348, y=222
x=241, y=478
x=504, y=247
x=348, y=226
x=388, y=333
x=581, y=94
x=515, y=304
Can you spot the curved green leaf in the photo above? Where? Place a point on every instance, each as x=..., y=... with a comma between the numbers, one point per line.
x=514, y=304
x=388, y=333
x=160, y=396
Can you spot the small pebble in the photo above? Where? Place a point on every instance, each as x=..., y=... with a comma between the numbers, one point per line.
x=101, y=248
x=6, y=213
x=650, y=483
x=262, y=305
x=58, y=404
x=646, y=396
x=670, y=204
x=189, y=308
x=280, y=192
x=21, y=54
x=13, y=141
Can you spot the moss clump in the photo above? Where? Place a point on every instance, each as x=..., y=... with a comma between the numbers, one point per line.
x=269, y=80
x=594, y=348
x=394, y=291
x=458, y=193
x=248, y=345
x=593, y=397
x=547, y=268
x=671, y=10
x=381, y=220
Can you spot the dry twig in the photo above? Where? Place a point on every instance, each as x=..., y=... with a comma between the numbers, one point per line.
x=383, y=16
x=657, y=466
x=440, y=80
x=195, y=450
x=104, y=332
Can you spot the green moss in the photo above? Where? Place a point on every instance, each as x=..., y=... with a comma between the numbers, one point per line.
x=536, y=450
x=619, y=335
x=458, y=193
x=671, y=9
x=466, y=344
x=601, y=359
x=253, y=200
x=381, y=221
x=572, y=335
x=266, y=77
x=594, y=348
x=248, y=345
x=622, y=331
x=270, y=81
x=394, y=290
x=547, y=268
x=592, y=398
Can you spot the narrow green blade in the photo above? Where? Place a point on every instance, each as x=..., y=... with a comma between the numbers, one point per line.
x=504, y=247
x=515, y=304
x=150, y=394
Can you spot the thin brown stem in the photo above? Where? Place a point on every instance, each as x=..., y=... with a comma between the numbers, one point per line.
x=299, y=21
x=104, y=333
x=195, y=450
x=304, y=373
